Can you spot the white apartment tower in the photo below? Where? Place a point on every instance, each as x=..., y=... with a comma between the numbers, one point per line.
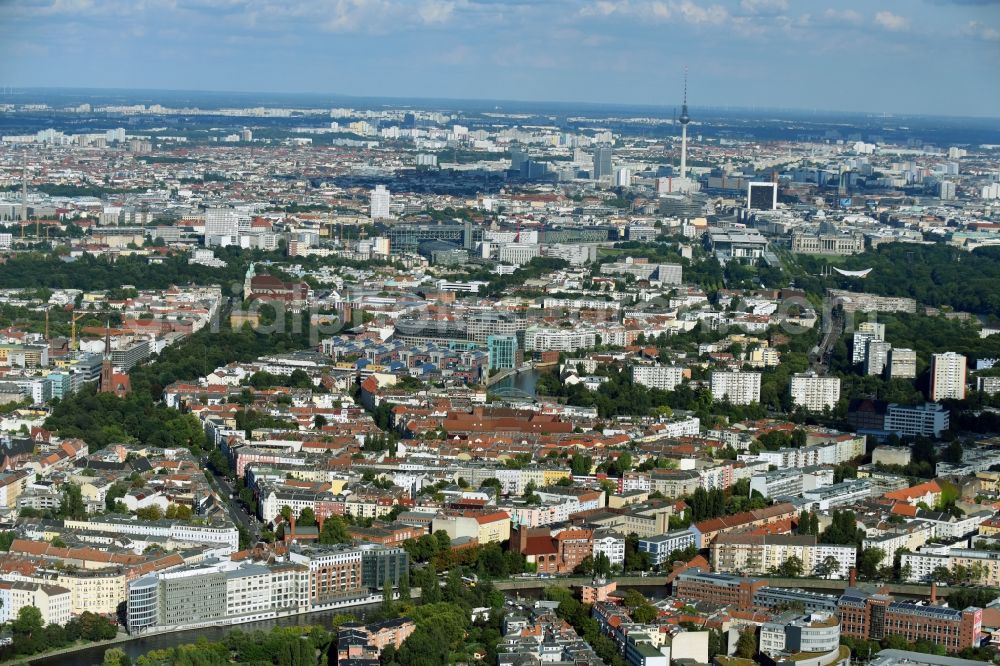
x=664, y=377
x=813, y=392
x=380, y=200
x=947, y=377
x=740, y=388
x=222, y=226
x=867, y=331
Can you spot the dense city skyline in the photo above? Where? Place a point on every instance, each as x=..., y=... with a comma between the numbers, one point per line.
x=500, y=332
x=873, y=57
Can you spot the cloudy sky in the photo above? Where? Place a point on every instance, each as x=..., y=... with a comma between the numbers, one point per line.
x=921, y=56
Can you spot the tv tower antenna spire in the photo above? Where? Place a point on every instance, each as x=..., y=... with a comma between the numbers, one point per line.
x=24, y=189
x=684, y=120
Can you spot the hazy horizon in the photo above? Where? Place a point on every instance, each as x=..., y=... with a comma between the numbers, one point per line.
x=909, y=57
x=7, y=93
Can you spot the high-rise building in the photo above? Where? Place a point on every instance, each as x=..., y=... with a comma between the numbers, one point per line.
x=813, y=392
x=623, y=178
x=222, y=226
x=947, y=377
x=762, y=196
x=946, y=190
x=602, y=161
x=380, y=200
x=902, y=363
x=867, y=331
x=740, y=388
x=877, y=356
x=663, y=377
x=518, y=157
x=503, y=351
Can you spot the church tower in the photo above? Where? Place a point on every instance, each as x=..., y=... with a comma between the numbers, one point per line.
x=107, y=368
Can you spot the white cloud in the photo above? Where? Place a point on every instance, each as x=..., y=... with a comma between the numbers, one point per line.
x=380, y=16
x=693, y=13
x=892, y=22
x=764, y=6
x=605, y=8
x=982, y=31
x=842, y=16
x=660, y=10
x=436, y=11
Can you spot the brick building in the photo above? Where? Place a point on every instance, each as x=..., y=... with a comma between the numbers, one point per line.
x=874, y=616
x=723, y=589
x=553, y=554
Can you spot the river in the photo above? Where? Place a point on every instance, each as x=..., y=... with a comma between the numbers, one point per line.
x=525, y=381
x=143, y=644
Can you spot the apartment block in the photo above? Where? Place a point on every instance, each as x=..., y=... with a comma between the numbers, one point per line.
x=813, y=392
x=739, y=388
x=663, y=377
x=660, y=547
x=947, y=377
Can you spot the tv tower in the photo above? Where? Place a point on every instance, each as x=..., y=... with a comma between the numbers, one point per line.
x=684, y=120
x=24, y=190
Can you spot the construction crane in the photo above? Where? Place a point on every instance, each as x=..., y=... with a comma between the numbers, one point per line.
x=75, y=317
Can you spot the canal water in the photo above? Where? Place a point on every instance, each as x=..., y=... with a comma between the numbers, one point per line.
x=143, y=644
x=522, y=381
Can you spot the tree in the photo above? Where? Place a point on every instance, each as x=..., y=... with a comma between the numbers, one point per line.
x=117, y=491
x=72, y=505
x=404, y=587
x=829, y=566
x=307, y=518
x=602, y=565
x=585, y=567
x=633, y=599
x=645, y=613
x=716, y=643
x=387, y=604
x=803, y=525
x=746, y=645
x=492, y=483
x=430, y=591
x=869, y=561
x=791, y=568
x=843, y=529
x=28, y=621
x=116, y=657
x=580, y=465
x=953, y=453
x=635, y=560
x=151, y=512
x=443, y=540
x=334, y=531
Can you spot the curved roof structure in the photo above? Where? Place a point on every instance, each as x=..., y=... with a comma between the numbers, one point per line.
x=860, y=274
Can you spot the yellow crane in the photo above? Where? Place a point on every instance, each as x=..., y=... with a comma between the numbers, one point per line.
x=75, y=317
